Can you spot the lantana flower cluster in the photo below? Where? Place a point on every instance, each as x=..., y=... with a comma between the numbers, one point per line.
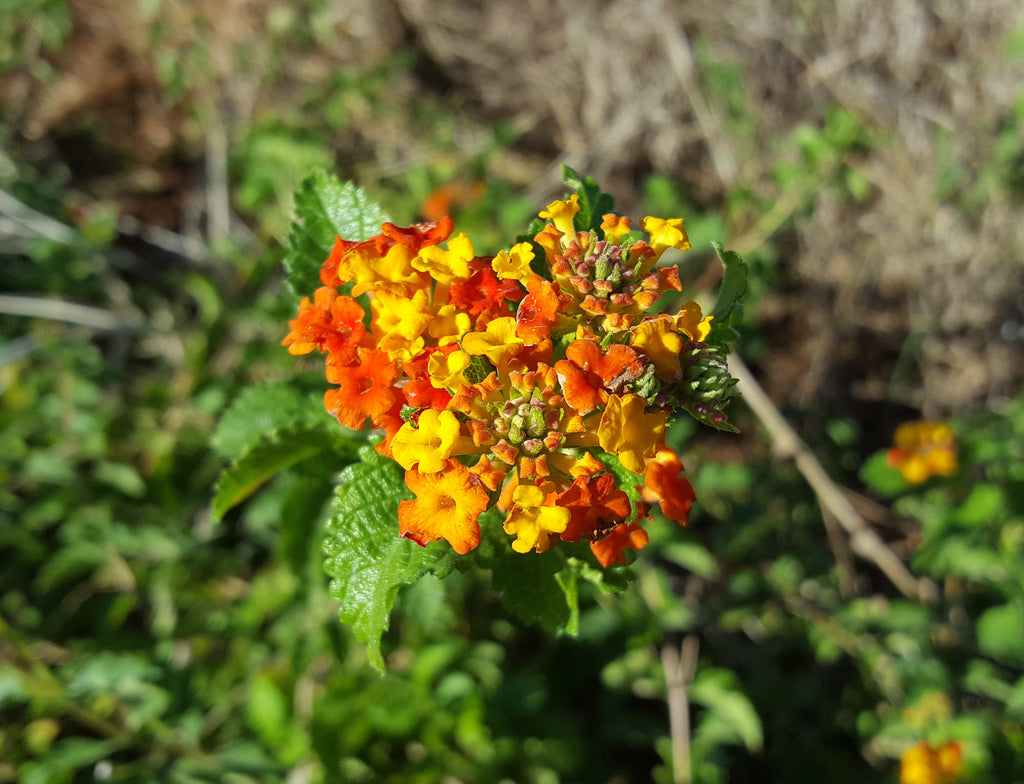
x=537, y=381
x=922, y=450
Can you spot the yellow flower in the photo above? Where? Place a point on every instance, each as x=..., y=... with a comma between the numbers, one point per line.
x=498, y=343
x=532, y=522
x=446, y=266
x=561, y=214
x=924, y=764
x=449, y=325
x=666, y=234
x=922, y=450
x=405, y=316
x=615, y=226
x=446, y=369
x=690, y=322
x=628, y=431
x=430, y=444
x=662, y=345
x=393, y=272
x=514, y=263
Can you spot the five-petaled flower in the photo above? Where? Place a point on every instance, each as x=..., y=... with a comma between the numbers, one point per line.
x=538, y=382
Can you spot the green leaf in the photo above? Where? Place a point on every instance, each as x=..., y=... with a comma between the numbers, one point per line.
x=534, y=587
x=692, y=556
x=64, y=758
x=877, y=473
x=1001, y=633
x=367, y=560
x=594, y=203
x=272, y=454
x=261, y=409
x=729, y=306
x=730, y=711
x=325, y=208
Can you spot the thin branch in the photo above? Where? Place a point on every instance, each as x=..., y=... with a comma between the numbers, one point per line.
x=679, y=668
x=864, y=541
x=58, y=310
x=24, y=222
x=172, y=242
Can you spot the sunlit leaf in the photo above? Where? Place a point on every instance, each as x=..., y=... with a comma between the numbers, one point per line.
x=367, y=560
x=325, y=208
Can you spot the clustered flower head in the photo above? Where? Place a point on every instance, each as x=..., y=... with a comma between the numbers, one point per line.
x=526, y=381
x=922, y=450
x=924, y=763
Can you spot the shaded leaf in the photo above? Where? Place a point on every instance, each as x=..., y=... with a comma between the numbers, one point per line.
x=533, y=587
x=275, y=452
x=729, y=306
x=594, y=203
x=1001, y=633
x=260, y=409
x=730, y=711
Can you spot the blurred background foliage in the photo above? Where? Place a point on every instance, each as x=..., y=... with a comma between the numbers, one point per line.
x=870, y=168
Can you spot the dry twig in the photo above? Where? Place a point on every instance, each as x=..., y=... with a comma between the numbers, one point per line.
x=863, y=539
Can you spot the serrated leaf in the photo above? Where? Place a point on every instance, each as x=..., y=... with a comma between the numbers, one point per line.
x=273, y=453
x=729, y=304
x=718, y=690
x=325, y=208
x=530, y=588
x=260, y=409
x=366, y=559
x=594, y=203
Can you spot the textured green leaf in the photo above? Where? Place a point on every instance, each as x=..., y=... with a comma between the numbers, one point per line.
x=729, y=305
x=367, y=560
x=731, y=714
x=260, y=409
x=325, y=208
x=1001, y=633
x=594, y=203
x=534, y=587
x=273, y=453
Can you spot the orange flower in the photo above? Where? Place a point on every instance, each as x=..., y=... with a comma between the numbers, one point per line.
x=330, y=323
x=596, y=506
x=924, y=764
x=539, y=310
x=448, y=506
x=664, y=484
x=608, y=551
x=365, y=388
x=586, y=371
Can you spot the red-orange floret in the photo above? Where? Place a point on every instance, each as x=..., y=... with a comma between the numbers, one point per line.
x=586, y=371
x=664, y=483
x=365, y=388
x=329, y=323
x=484, y=297
x=420, y=235
x=609, y=550
x=539, y=310
x=596, y=506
